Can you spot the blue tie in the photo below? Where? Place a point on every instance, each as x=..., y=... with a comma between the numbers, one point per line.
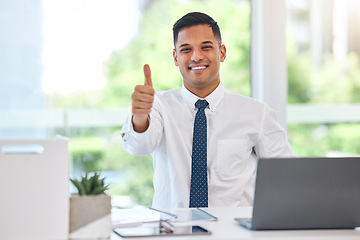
x=199, y=186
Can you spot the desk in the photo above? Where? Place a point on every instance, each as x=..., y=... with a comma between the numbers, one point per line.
x=227, y=228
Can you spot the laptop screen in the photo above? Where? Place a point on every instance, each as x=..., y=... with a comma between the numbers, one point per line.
x=307, y=193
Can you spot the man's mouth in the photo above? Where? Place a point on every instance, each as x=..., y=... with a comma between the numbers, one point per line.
x=198, y=67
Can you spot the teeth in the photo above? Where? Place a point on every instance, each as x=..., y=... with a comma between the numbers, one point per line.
x=198, y=68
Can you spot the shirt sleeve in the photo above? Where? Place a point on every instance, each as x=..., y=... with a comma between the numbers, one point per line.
x=141, y=144
x=273, y=140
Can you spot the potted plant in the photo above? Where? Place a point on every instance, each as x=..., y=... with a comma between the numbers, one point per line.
x=90, y=209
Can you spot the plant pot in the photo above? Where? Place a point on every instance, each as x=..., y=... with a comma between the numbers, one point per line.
x=90, y=216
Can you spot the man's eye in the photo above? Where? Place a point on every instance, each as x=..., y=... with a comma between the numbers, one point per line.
x=185, y=50
x=206, y=47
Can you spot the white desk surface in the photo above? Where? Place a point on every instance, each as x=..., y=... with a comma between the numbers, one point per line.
x=227, y=228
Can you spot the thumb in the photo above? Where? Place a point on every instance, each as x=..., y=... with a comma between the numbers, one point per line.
x=147, y=74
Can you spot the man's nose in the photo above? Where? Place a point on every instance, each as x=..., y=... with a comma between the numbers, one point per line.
x=197, y=55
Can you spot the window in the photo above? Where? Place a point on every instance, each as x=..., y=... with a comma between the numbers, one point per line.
x=69, y=68
x=323, y=77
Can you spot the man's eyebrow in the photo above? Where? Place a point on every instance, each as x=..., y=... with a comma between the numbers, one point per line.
x=184, y=45
x=207, y=42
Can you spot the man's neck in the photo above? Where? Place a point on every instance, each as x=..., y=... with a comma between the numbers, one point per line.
x=202, y=92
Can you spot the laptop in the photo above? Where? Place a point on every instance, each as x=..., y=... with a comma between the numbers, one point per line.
x=306, y=193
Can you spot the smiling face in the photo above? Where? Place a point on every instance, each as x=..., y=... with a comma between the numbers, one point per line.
x=198, y=55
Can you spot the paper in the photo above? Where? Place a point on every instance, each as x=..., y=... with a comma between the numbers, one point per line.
x=133, y=217
x=147, y=231
x=191, y=215
x=136, y=217
x=185, y=214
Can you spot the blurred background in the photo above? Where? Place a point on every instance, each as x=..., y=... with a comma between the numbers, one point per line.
x=68, y=67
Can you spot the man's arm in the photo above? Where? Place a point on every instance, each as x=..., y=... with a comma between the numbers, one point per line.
x=141, y=131
x=142, y=101
x=273, y=138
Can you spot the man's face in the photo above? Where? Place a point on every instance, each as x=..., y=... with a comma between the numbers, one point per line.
x=198, y=55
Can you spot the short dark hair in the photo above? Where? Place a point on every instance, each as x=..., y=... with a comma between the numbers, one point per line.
x=193, y=19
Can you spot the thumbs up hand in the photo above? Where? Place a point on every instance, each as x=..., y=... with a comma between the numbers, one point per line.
x=142, y=101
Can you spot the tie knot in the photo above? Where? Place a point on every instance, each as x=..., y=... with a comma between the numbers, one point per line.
x=201, y=104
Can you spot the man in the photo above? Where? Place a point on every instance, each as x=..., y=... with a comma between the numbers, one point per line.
x=204, y=152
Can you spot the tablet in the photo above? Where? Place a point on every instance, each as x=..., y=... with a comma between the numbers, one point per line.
x=147, y=231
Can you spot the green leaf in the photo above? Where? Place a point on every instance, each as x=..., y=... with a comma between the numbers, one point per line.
x=79, y=186
x=90, y=185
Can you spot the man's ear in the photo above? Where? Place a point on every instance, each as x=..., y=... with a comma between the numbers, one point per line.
x=175, y=58
x=222, y=53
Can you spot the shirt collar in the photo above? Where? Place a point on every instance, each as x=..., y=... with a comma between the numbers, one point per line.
x=213, y=98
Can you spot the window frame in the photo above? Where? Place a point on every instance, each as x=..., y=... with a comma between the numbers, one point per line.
x=268, y=55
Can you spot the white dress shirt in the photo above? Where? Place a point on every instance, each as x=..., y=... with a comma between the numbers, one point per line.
x=240, y=129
